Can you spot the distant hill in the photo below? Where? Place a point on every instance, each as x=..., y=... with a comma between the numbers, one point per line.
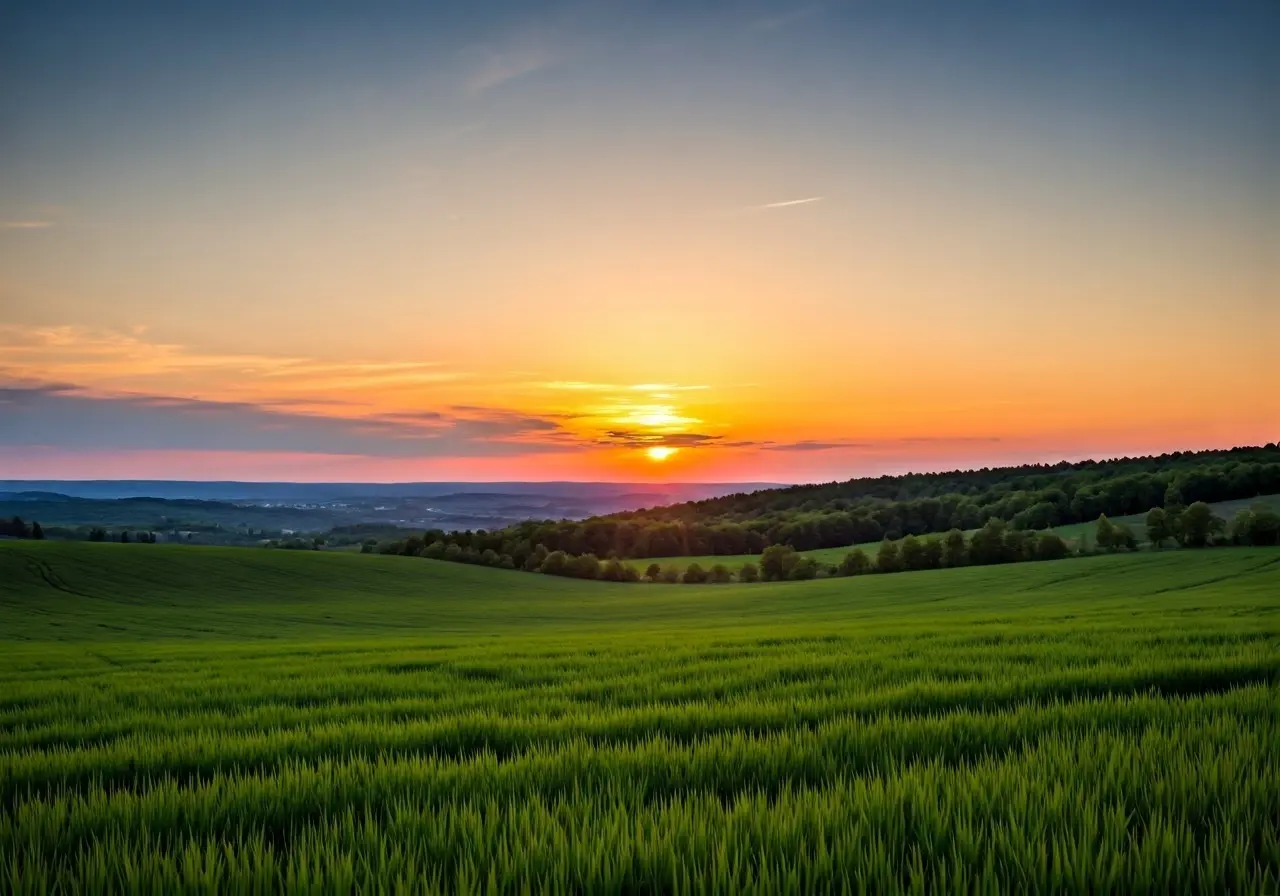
x=246, y=513
x=333, y=491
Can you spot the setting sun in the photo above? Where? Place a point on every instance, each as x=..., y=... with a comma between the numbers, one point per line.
x=660, y=452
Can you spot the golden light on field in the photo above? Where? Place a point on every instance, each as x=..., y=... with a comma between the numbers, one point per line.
x=660, y=453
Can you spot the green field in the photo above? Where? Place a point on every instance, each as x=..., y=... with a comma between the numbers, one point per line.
x=220, y=720
x=1071, y=532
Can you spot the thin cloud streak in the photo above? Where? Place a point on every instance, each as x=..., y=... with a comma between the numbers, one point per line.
x=517, y=57
x=28, y=225
x=790, y=202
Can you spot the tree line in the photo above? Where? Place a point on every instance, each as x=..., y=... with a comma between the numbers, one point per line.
x=16, y=527
x=868, y=510
x=996, y=542
x=97, y=533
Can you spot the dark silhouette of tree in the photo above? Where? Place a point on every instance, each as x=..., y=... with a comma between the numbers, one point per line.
x=1158, y=529
x=555, y=564
x=1122, y=538
x=694, y=575
x=855, y=563
x=1105, y=533
x=887, y=559
x=1199, y=524
x=911, y=553
x=777, y=562
x=954, y=550
x=1050, y=546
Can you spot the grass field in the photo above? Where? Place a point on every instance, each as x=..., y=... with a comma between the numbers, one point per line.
x=222, y=720
x=1136, y=522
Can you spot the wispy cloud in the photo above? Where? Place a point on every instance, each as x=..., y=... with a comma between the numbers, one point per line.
x=789, y=202
x=784, y=19
x=867, y=444
x=581, y=386
x=112, y=360
x=28, y=225
x=518, y=56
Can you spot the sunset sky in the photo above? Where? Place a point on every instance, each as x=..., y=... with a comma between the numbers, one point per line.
x=633, y=241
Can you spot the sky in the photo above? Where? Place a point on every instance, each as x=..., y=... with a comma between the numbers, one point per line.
x=633, y=241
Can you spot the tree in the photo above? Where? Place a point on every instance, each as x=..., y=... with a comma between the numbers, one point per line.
x=988, y=544
x=36, y=532
x=911, y=553
x=613, y=570
x=805, y=568
x=855, y=563
x=653, y=573
x=1198, y=524
x=1241, y=526
x=1158, y=529
x=719, y=575
x=555, y=564
x=97, y=534
x=954, y=552
x=1264, y=528
x=887, y=560
x=124, y=536
x=584, y=566
x=670, y=575
x=1122, y=538
x=1019, y=545
x=749, y=573
x=694, y=575
x=931, y=549
x=777, y=562
x=1050, y=546
x=1105, y=534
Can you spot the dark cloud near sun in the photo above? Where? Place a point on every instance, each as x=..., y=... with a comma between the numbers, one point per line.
x=632, y=438
x=61, y=415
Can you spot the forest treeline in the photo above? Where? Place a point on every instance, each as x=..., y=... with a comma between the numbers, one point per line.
x=809, y=517
x=17, y=527
x=996, y=542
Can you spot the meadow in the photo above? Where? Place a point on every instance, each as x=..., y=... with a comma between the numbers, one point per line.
x=185, y=719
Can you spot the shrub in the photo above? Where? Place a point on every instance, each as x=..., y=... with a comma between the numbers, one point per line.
x=804, y=568
x=555, y=564
x=1050, y=546
x=777, y=562
x=586, y=566
x=694, y=575
x=855, y=563
x=887, y=559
